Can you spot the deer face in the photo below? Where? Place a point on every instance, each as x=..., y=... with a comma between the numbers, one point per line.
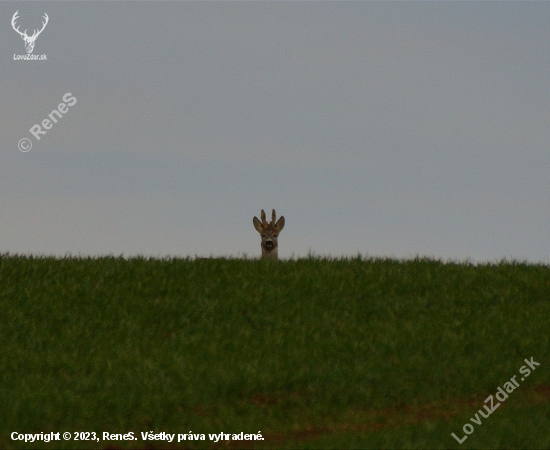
x=269, y=233
x=29, y=43
x=29, y=40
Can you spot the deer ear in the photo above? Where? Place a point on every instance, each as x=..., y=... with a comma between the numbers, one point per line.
x=257, y=225
x=280, y=223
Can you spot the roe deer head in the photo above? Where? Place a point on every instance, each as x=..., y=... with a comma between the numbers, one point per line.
x=270, y=233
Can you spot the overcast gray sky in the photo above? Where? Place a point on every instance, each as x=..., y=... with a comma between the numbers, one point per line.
x=386, y=128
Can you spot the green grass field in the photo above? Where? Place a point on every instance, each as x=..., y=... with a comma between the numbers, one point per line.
x=314, y=353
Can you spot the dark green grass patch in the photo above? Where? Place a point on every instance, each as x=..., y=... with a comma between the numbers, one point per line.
x=210, y=345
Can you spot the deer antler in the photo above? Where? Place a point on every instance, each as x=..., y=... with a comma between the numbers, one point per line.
x=35, y=34
x=13, y=19
x=24, y=34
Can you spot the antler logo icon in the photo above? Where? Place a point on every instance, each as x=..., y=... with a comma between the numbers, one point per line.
x=29, y=40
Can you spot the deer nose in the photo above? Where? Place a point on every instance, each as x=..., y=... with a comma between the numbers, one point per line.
x=269, y=244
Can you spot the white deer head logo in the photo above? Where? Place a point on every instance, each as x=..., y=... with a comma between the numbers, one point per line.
x=29, y=40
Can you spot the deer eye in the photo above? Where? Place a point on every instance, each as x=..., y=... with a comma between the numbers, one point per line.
x=263, y=235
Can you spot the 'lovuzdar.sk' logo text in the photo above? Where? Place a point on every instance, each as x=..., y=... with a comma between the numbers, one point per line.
x=30, y=41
